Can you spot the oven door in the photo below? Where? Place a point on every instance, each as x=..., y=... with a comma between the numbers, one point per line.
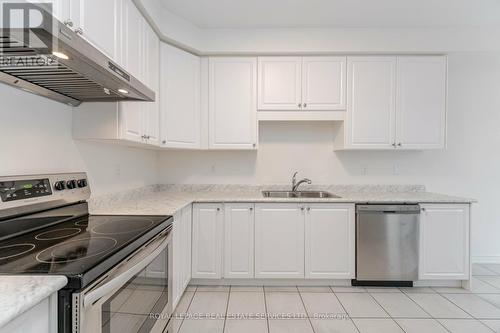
x=133, y=297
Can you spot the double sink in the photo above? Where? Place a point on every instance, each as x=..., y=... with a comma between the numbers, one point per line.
x=298, y=194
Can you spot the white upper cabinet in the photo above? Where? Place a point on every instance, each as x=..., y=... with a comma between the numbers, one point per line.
x=330, y=241
x=323, y=83
x=180, y=98
x=371, y=108
x=280, y=83
x=239, y=240
x=421, y=102
x=302, y=83
x=279, y=241
x=99, y=23
x=444, y=242
x=132, y=39
x=232, y=97
x=151, y=63
x=395, y=103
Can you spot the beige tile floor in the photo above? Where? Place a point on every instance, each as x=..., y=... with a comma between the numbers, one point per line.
x=344, y=309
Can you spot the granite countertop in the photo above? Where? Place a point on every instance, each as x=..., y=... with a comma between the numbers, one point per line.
x=19, y=293
x=168, y=199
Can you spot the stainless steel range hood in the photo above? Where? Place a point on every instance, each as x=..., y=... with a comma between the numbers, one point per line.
x=27, y=61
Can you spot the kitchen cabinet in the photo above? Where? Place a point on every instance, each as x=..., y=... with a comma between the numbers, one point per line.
x=395, y=103
x=207, y=241
x=444, y=242
x=41, y=318
x=371, y=106
x=280, y=83
x=181, y=253
x=279, y=241
x=232, y=96
x=330, y=241
x=421, y=102
x=180, y=98
x=136, y=122
x=302, y=83
x=239, y=240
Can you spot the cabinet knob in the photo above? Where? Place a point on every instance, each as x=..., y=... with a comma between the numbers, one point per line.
x=299, y=105
x=164, y=142
x=68, y=23
x=251, y=208
x=218, y=209
x=79, y=31
x=394, y=144
x=400, y=144
x=302, y=208
x=305, y=105
x=254, y=145
x=308, y=208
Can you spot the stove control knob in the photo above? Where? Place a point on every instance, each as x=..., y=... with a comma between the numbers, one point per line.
x=59, y=186
x=82, y=183
x=71, y=184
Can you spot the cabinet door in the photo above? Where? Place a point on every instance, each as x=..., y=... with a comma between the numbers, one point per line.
x=151, y=65
x=421, y=102
x=239, y=240
x=330, y=241
x=187, y=214
x=232, y=103
x=280, y=83
x=444, y=242
x=132, y=39
x=180, y=98
x=131, y=121
x=207, y=241
x=323, y=83
x=370, y=119
x=177, y=258
x=99, y=22
x=279, y=241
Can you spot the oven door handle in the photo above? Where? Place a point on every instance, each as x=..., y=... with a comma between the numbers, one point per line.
x=127, y=269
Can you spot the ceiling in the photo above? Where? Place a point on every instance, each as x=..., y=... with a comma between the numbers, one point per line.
x=336, y=13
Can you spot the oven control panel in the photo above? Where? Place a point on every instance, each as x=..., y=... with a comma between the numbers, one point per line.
x=17, y=192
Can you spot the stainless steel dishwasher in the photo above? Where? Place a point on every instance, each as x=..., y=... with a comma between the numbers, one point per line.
x=387, y=245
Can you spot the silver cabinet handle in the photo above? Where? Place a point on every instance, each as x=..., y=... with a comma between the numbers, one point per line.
x=68, y=23
x=143, y=137
x=400, y=144
x=308, y=208
x=299, y=105
x=254, y=145
x=394, y=144
x=251, y=208
x=79, y=31
x=305, y=105
x=302, y=208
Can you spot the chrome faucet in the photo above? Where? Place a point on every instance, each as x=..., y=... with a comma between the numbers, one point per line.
x=296, y=184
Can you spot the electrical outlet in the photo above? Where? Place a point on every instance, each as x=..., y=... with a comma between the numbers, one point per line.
x=396, y=169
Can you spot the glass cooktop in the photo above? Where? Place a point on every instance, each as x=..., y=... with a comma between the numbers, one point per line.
x=82, y=248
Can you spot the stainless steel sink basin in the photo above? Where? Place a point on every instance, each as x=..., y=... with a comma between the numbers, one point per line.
x=298, y=194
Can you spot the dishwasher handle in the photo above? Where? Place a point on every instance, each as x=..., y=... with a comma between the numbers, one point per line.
x=388, y=209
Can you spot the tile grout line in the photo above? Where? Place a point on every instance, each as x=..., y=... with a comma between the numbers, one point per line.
x=430, y=315
x=345, y=310
x=227, y=307
x=307, y=312
x=265, y=307
x=486, y=267
x=393, y=319
x=487, y=284
x=473, y=317
x=189, y=305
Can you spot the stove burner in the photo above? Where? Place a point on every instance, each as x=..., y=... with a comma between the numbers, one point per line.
x=77, y=249
x=83, y=223
x=58, y=233
x=123, y=225
x=15, y=250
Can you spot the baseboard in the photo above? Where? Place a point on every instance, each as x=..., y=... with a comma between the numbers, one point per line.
x=485, y=259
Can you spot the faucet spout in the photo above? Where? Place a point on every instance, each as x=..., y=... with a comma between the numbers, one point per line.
x=296, y=184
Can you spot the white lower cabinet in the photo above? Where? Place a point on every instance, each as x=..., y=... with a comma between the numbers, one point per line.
x=181, y=250
x=208, y=220
x=239, y=221
x=444, y=242
x=279, y=241
x=330, y=241
x=42, y=318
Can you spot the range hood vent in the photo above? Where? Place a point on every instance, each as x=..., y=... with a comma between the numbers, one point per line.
x=28, y=61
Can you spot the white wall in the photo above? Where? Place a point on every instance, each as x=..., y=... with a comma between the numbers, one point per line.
x=36, y=138
x=469, y=167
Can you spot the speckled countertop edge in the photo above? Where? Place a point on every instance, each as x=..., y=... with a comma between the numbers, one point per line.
x=19, y=293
